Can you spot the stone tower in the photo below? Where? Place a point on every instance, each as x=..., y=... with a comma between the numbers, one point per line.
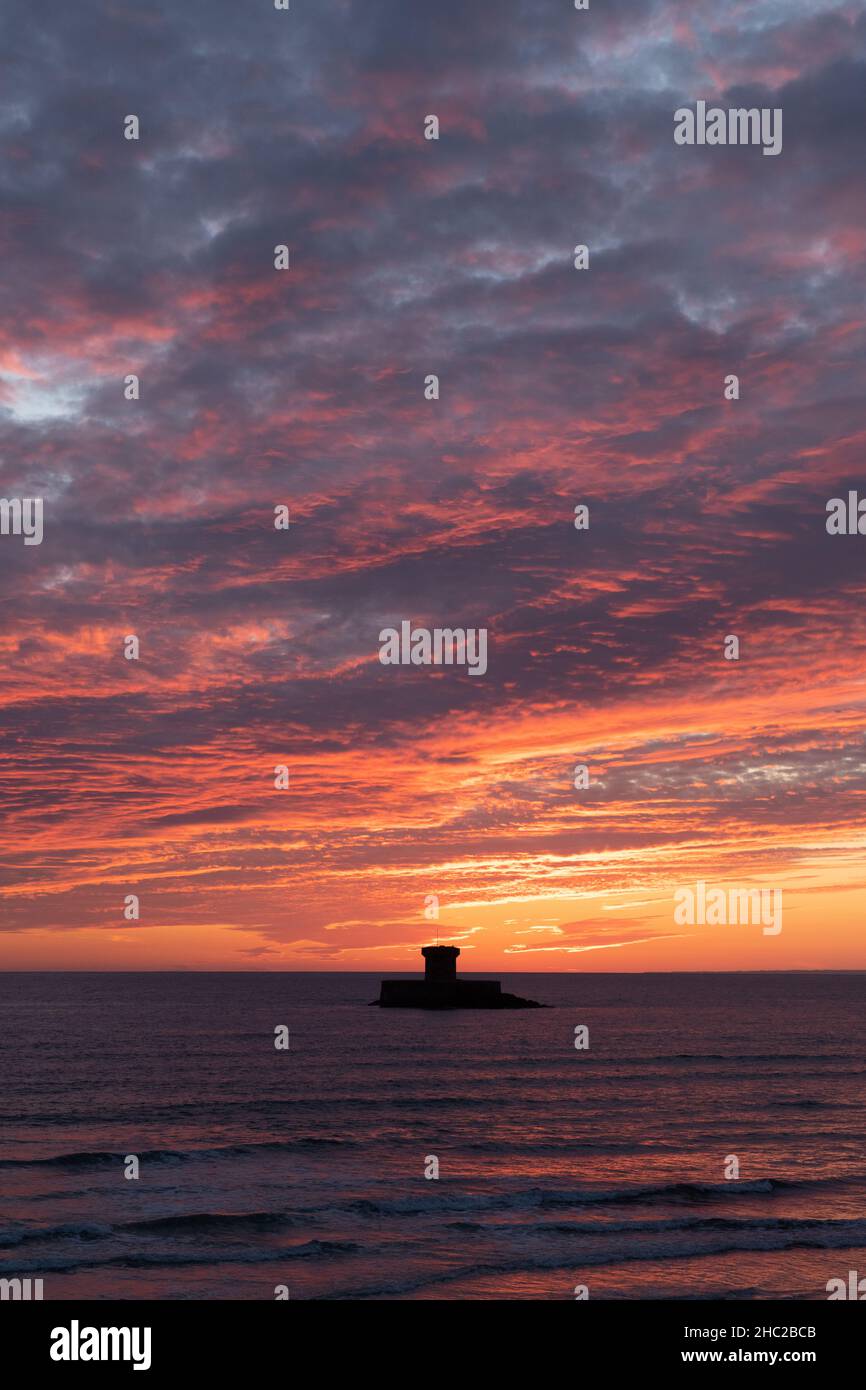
x=441, y=989
x=440, y=964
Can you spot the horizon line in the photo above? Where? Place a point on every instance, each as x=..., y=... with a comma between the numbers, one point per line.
x=806, y=970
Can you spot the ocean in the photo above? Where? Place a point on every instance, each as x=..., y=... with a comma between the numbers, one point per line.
x=558, y=1169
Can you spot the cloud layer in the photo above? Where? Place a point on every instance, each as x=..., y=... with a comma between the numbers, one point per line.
x=306, y=388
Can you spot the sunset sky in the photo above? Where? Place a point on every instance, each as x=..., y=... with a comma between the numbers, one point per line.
x=306, y=388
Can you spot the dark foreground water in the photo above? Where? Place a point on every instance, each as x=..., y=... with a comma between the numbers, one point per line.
x=557, y=1167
